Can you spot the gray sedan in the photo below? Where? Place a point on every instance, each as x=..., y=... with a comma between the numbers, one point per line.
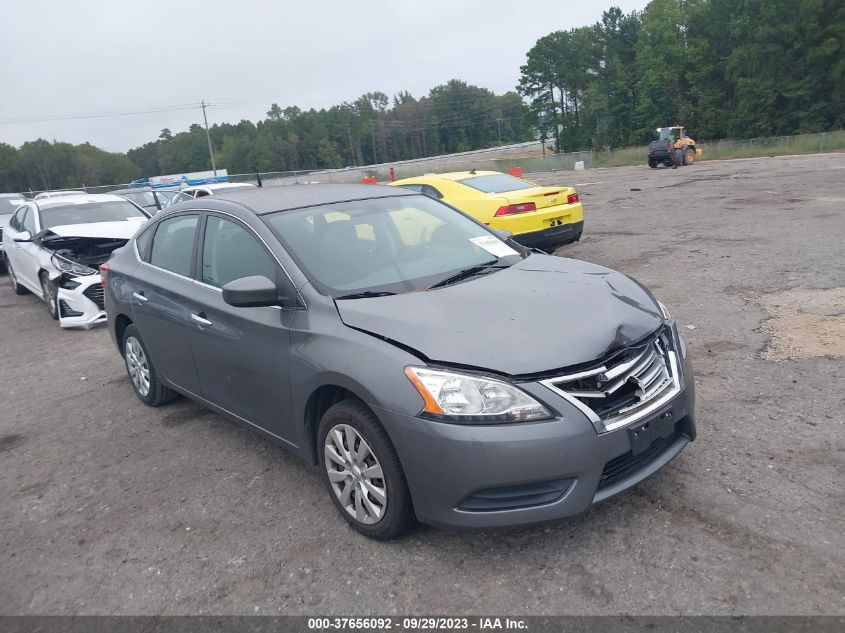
x=435, y=370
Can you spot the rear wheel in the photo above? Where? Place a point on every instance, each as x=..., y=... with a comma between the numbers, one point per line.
x=19, y=290
x=48, y=289
x=362, y=472
x=652, y=164
x=678, y=157
x=689, y=156
x=141, y=372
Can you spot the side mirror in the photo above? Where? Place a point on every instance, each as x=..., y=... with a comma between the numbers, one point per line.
x=258, y=291
x=502, y=234
x=26, y=236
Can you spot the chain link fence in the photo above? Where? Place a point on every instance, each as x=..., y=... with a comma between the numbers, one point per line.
x=530, y=157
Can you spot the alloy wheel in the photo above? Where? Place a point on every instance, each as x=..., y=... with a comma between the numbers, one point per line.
x=355, y=474
x=49, y=294
x=137, y=365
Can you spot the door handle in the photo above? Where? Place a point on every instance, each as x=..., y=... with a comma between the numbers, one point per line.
x=140, y=297
x=200, y=318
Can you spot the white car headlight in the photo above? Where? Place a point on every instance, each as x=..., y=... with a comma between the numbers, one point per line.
x=72, y=268
x=664, y=310
x=470, y=399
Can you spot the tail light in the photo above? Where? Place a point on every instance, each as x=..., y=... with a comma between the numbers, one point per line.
x=572, y=198
x=513, y=209
x=104, y=273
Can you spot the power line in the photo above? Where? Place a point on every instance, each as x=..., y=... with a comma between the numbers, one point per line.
x=100, y=115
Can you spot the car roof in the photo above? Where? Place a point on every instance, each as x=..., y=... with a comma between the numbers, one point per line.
x=59, y=193
x=286, y=197
x=60, y=201
x=220, y=185
x=132, y=190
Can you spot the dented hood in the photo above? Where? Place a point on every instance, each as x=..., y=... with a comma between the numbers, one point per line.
x=542, y=314
x=123, y=229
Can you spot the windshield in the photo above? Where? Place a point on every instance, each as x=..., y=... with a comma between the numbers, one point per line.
x=142, y=198
x=496, y=183
x=668, y=134
x=176, y=197
x=399, y=244
x=89, y=212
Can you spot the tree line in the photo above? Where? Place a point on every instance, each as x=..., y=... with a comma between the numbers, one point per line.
x=723, y=68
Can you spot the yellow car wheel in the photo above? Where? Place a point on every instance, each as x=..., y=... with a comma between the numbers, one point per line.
x=689, y=156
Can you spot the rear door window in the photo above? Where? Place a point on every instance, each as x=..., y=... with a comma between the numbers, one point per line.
x=142, y=243
x=173, y=244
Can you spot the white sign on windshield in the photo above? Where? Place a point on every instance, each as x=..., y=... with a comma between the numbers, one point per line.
x=493, y=246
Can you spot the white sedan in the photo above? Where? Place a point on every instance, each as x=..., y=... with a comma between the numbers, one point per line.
x=54, y=248
x=216, y=189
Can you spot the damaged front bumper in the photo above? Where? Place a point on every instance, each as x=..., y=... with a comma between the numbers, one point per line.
x=80, y=300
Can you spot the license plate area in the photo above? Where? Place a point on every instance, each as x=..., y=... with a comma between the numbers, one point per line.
x=551, y=222
x=643, y=433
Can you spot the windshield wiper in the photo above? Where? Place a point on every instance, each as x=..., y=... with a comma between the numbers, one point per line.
x=466, y=273
x=366, y=294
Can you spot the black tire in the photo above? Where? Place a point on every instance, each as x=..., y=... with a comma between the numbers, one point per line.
x=50, y=292
x=652, y=164
x=689, y=156
x=156, y=394
x=398, y=514
x=13, y=280
x=678, y=157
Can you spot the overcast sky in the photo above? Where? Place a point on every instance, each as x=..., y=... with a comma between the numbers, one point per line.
x=64, y=58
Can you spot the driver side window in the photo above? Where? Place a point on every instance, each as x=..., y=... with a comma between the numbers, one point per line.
x=230, y=252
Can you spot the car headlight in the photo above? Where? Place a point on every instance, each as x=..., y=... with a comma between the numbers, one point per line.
x=664, y=310
x=72, y=268
x=469, y=399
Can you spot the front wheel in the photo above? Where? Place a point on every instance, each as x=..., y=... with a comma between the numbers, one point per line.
x=689, y=156
x=142, y=373
x=48, y=289
x=678, y=157
x=362, y=472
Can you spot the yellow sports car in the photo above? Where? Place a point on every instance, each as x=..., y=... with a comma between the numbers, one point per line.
x=541, y=217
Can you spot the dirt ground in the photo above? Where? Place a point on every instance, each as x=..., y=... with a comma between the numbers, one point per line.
x=110, y=507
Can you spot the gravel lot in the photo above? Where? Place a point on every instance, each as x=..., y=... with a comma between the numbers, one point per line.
x=110, y=507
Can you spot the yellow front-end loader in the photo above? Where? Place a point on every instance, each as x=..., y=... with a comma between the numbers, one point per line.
x=672, y=148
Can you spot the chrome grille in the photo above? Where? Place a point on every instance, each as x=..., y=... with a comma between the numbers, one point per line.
x=624, y=388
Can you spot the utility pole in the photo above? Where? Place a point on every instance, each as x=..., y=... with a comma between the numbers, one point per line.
x=351, y=147
x=208, y=138
x=375, y=160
